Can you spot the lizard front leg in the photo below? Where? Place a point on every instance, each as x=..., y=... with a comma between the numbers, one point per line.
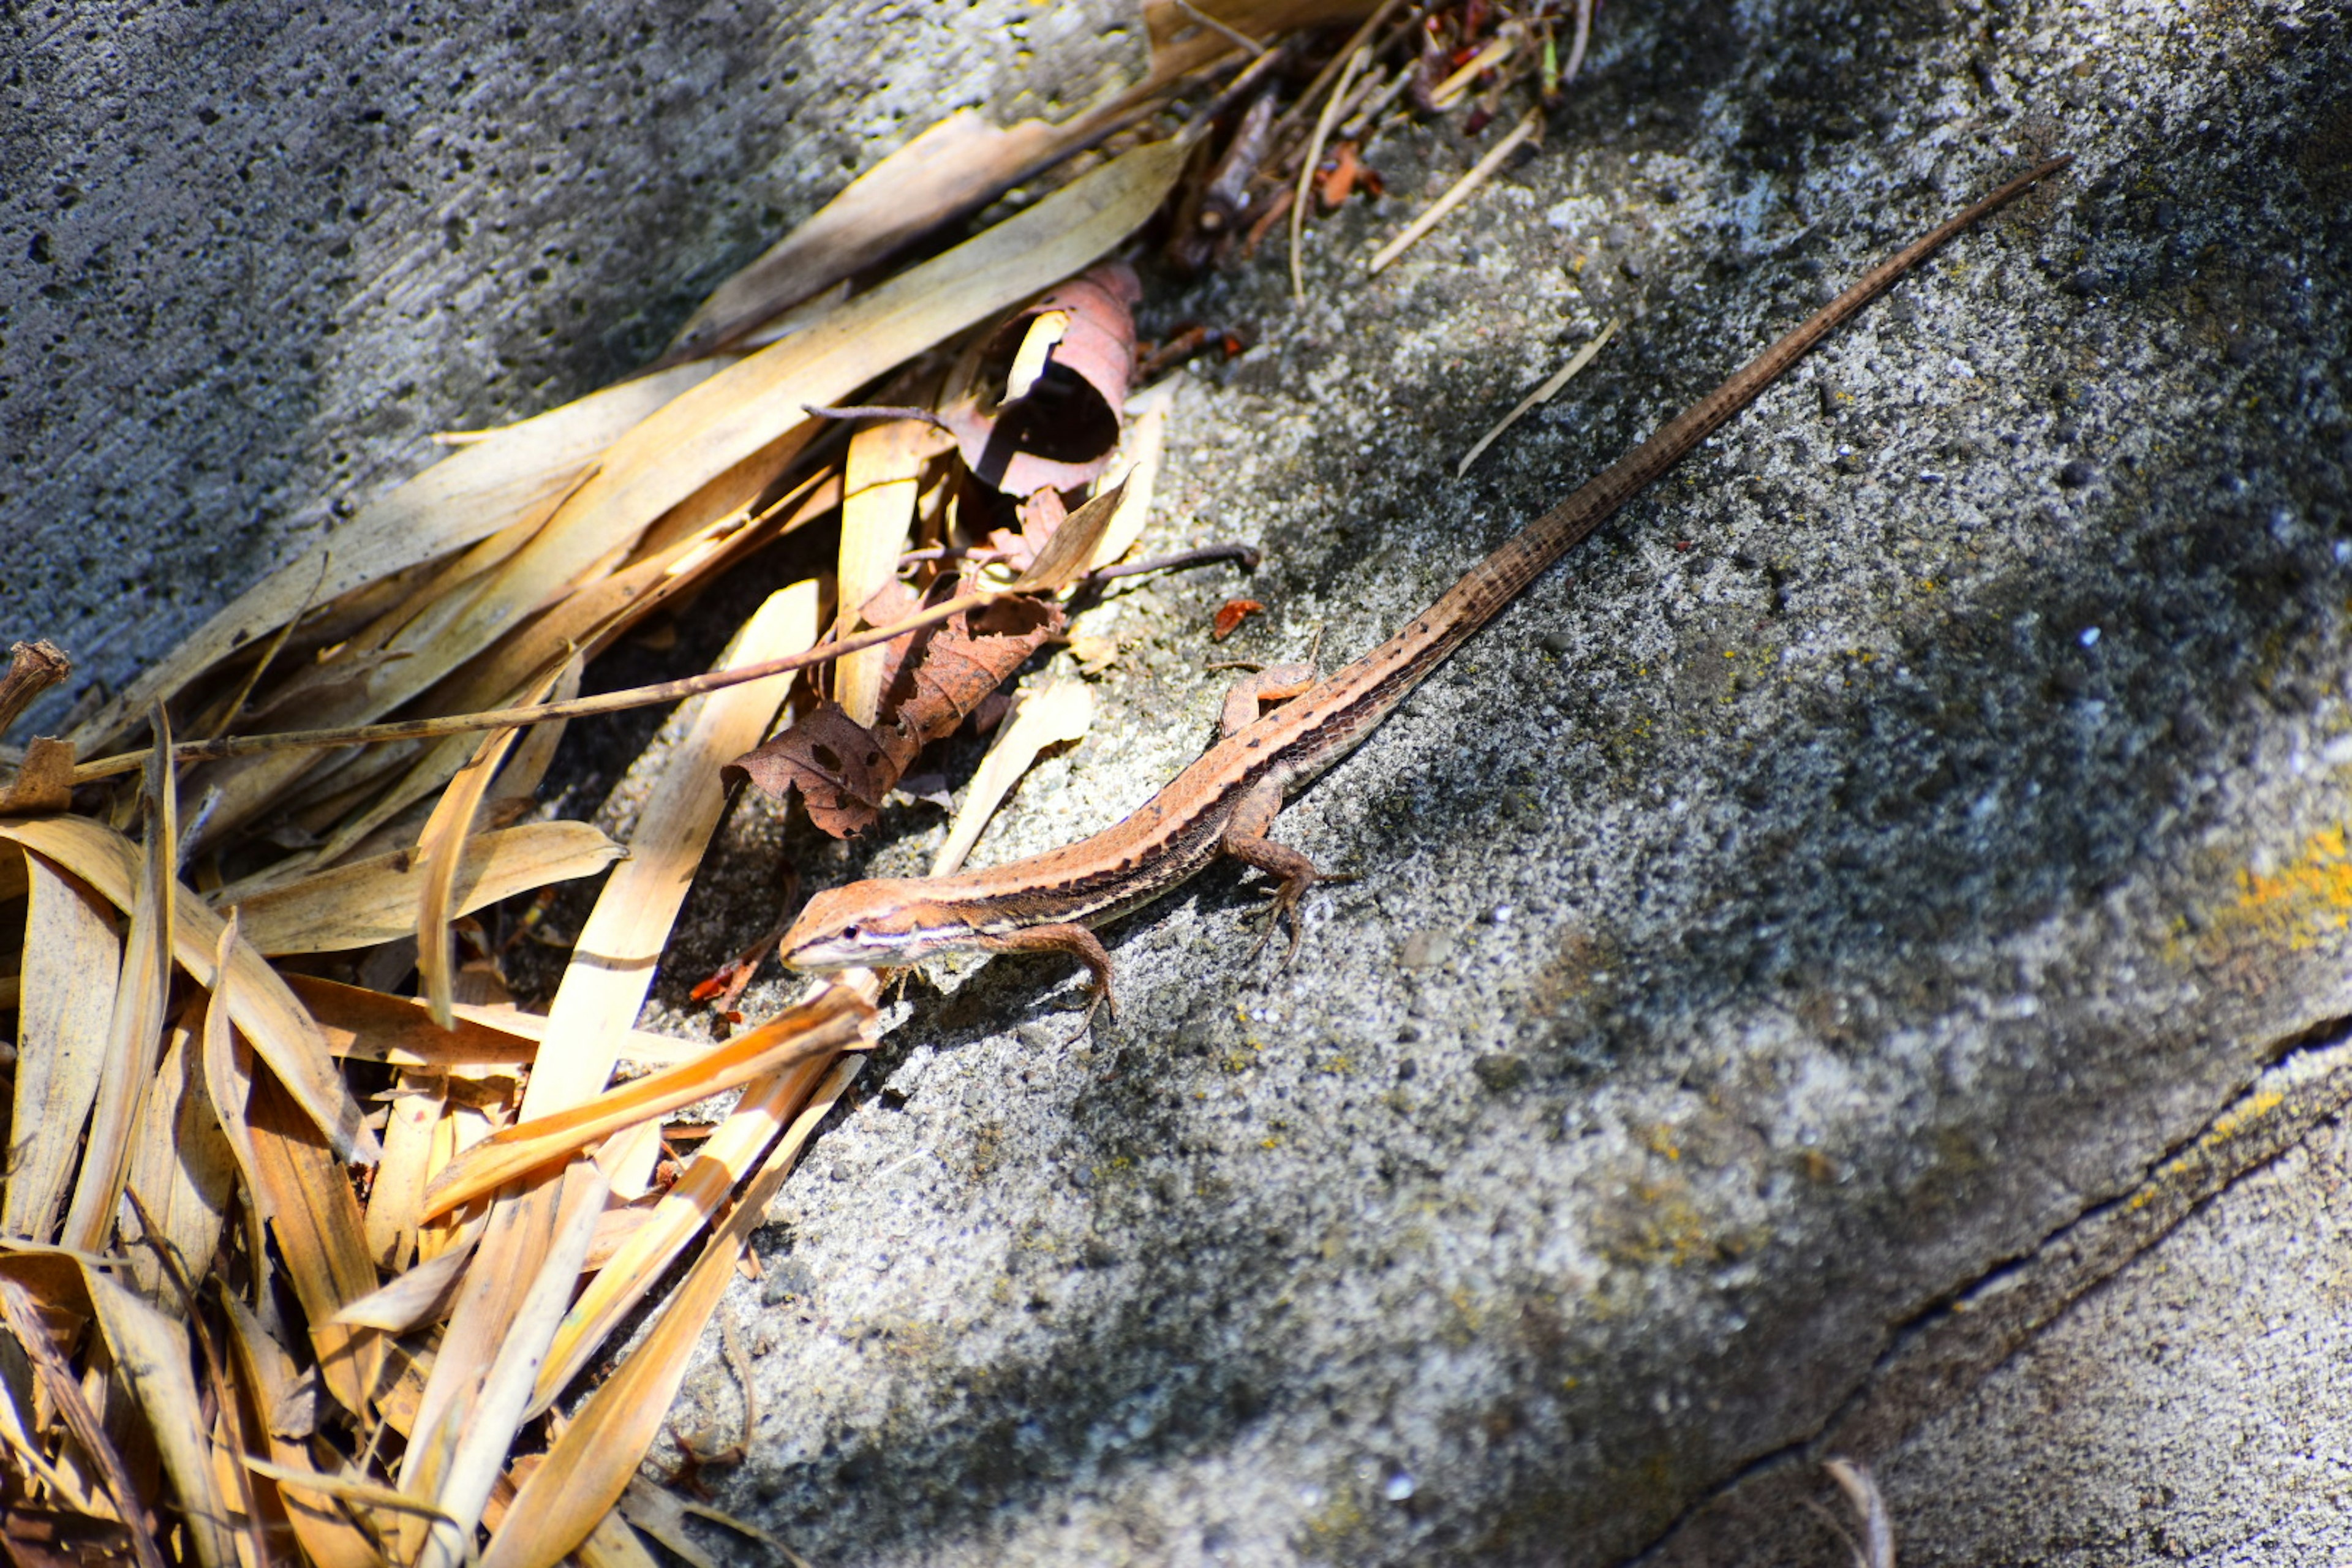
x=1075, y=939
x=1246, y=840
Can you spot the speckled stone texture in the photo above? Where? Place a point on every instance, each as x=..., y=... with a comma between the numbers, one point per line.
x=1811, y=917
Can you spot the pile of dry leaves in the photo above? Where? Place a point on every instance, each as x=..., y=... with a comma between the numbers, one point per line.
x=293, y=1265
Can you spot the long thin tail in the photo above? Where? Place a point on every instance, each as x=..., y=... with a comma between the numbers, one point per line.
x=1517, y=561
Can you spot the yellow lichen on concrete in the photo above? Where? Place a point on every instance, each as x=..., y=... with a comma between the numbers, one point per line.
x=2302, y=902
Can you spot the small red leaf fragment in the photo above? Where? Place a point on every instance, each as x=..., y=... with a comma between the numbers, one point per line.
x=1340, y=179
x=1231, y=614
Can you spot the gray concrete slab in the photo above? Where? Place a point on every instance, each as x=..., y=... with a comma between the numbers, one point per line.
x=1904, y=831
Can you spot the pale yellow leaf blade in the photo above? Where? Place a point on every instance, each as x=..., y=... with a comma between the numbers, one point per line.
x=374, y=901
x=265, y=1370
x=135, y=1029
x=766, y=1108
x=499, y=1332
x=706, y=431
x=441, y=856
x=718, y=423
x=62, y=1042
x=459, y=499
x=622, y=940
x=182, y=1167
x=414, y=1115
x=322, y=1235
x=1145, y=447
x=591, y=1463
x=406, y=1299
x=151, y=1356
x=878, y=508
x=371, y=1026
x=263, y=1008
x=1060, y=713
x=813, y=1031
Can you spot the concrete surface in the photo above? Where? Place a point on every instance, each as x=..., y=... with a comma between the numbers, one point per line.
x=1788, y=940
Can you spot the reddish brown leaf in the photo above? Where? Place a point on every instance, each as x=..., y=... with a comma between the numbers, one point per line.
x=1339, y=178
x=941, y=674
x=1062, y=429
x=1231, y=614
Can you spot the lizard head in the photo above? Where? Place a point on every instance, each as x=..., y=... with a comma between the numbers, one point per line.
x=872, y=924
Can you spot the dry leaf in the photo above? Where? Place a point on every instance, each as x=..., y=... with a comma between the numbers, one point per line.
x=766, y=1108
x=1037, y=404
x=1142, y=448
x=878, y=508
x=814, y=1030
x=591, y=1462
x=844, y=771
x=181, y=1164
x=441, y=856
x=44, y=782
x=328, y=1537
x=417, y=1101
x=151, y=1356
x=526, y=1271
x=61, y=1032
x=375, y=900
x=463, y=498
x=135, y=1028
x=321, y=1235
x=1059, y=714
x=1231, y=614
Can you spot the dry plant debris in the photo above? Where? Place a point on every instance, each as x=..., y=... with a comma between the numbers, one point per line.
x=296, y=1267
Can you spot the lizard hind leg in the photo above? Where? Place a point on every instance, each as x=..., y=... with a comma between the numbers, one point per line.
x=1246, y=840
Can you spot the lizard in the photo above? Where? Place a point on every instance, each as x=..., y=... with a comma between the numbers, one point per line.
x=1224, y=804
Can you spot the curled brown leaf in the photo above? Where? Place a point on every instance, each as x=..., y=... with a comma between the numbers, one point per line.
x=843, y=770
x=1048, y=417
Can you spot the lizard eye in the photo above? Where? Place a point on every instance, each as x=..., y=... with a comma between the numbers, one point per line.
x=849, y=933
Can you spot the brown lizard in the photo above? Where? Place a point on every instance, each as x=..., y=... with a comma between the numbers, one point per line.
x=1224, y=803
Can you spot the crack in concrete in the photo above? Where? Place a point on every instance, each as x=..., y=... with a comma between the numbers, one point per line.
x=1939, y=1353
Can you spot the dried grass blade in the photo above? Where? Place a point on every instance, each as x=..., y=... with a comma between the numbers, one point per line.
x=411, y=1298
x=699, y=435
x=1461, y=190
x=151, y=1356
x=814, y=1030
x=135, y=1029
x=417, y=1102
x=953, y=168
x=1357, y=61
x=62, y=1025
x=1541, y=395
x=321, y=1237
x=614, y=1544
x=1060, y=713
x=371, y=1026
x=1064, y=558
x=877, y=508
x=1145, y=447
x=328, y=1537
x=25, y=1321
x=463, y=1432
x=441, y=853
x=458, y=500
x=767, y=1107
x=183, y=1171
x=374, y=901
x=591, y=1463
x=281, y=1032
